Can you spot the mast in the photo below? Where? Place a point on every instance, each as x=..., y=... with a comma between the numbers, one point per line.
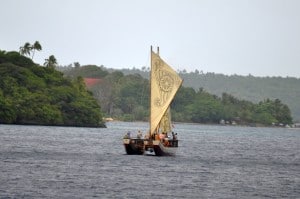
x=151, y=63
x=150, y=91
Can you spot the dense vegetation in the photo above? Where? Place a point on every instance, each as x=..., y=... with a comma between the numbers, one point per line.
x=33, y=94
x=250, y=88
x=126, y=97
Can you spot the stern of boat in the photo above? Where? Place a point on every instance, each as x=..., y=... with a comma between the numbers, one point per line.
x=165, y=148
x=134, y=146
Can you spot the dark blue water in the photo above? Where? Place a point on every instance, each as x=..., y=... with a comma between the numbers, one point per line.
x=212, y=162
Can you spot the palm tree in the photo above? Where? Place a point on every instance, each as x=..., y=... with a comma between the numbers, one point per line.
x=50, y=62
x=36, y=46
x=25, y=50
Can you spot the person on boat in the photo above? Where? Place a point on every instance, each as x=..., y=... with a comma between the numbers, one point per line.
x=166, y=140
x=146, y=137
x=139, y=135
x=162, y=136
x=174, y=136
x=127, y=135
x=156, y=136
x=153, y=136
x=167, y=143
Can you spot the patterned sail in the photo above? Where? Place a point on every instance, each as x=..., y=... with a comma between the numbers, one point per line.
x=165, y=122
x=165, y=82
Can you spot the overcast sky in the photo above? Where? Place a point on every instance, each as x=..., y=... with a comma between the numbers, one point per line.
x=258, y=37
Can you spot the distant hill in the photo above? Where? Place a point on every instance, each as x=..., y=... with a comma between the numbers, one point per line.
x=250, y=88
x=255, y=89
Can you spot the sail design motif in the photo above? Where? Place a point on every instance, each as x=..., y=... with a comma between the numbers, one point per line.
x=165, y=82
x=165, y=123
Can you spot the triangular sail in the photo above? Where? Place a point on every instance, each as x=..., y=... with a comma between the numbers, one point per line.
x=165, y=82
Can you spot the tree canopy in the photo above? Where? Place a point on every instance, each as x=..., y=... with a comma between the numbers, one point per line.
x=32, y=94
x=27, y=49
x=50, y=62
x=127, y=97
x=250, y=88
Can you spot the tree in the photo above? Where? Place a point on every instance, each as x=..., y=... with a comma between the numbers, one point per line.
x=76, y=64
x=206, y=108
x=28, y=48
x=51, y=62
x=25, y=50
x=36, y=46
x=184, y=97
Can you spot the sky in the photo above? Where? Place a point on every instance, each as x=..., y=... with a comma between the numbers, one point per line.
x=257, y=37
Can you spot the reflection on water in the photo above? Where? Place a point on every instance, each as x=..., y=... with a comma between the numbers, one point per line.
x=212, y=162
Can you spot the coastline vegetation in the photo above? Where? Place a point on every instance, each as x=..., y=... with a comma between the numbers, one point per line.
x=40, y=95
x=125, y=97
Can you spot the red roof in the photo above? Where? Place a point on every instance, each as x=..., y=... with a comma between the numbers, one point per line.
x=91, y=81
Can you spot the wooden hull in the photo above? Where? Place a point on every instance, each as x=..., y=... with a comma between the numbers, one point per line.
x=149, y=147
x=161, y=150
x=134, y=146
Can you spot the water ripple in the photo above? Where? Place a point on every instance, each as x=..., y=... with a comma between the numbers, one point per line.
x=212, y=162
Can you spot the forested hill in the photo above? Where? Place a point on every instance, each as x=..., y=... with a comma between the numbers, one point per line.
x=250, y=88
x=38, y=95
x=126, y=97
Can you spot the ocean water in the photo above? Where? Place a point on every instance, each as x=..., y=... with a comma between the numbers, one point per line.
x=212, y=162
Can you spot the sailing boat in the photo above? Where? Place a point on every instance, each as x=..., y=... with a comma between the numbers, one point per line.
x=164, y=84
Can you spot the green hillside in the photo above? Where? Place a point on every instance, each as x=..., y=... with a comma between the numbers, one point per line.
x=33, y=94
x=250, y=88
x=126, y=97
x=254, y=89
